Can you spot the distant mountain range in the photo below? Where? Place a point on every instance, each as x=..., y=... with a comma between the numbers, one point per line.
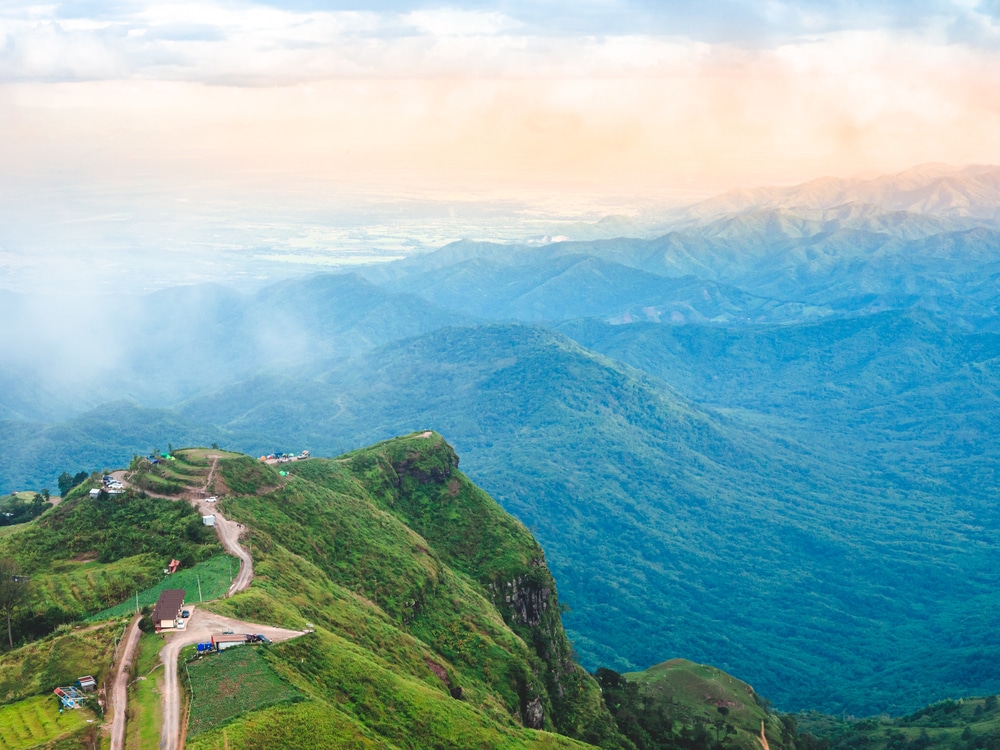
x=929, y=189
x=927, y=199
x=763, y=439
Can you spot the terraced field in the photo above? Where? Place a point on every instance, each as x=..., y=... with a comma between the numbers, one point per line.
x=82, y=586
x=36, y=720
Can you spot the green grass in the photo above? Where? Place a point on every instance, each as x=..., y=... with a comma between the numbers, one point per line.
x=689, y=695
x=301, y=726
x=215, y=581
x=145, y=708
x=405, y=712
x=58, y=659
x=83, y=586
x=35, y=721
x=405, y=619
x=230, y=683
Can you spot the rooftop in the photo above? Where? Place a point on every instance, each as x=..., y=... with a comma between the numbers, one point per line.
x=167, y=606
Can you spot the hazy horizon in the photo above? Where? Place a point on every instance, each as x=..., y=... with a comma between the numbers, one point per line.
x=156, y=136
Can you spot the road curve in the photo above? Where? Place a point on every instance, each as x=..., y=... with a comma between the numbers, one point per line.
x=229, y=535
x=201, y=626
x=119, y=688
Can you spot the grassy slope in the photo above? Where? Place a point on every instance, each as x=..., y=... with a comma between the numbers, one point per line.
x=397, y=625
x=58, y=660
x=145, y=712
x=689, y=695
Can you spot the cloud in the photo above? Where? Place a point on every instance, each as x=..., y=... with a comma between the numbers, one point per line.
x=255, y=44
x=623, y=93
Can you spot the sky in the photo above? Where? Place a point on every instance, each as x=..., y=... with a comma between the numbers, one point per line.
x=121, y=120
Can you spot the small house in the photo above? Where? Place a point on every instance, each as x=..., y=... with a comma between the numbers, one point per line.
x=208, y=520
x=168, y=609
x=87, y=684
x=95, y=492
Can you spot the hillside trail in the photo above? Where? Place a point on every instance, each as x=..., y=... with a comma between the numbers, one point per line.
x=763, y=738
x=228, y=532
x=119, y=689
x=202, y=625
x=211, y=473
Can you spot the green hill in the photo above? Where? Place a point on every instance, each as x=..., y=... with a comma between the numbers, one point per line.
x=965, y=724
x=434, y=619
x=680, y=704
x=437, y=622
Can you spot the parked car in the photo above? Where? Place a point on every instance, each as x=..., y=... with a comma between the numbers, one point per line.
x=186, y=613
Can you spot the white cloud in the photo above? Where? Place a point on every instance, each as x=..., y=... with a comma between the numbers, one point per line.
x=451, y=22
x=258, y=45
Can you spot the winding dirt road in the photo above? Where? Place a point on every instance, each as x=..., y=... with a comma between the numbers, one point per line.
x=199, y=627
x=119, y=689
x=229, y=533
x=203, y=624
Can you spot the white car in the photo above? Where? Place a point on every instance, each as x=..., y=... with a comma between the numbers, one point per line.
x=212, y=499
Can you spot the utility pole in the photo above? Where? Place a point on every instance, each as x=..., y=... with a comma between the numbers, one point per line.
x=137, y=602
x=198, y=576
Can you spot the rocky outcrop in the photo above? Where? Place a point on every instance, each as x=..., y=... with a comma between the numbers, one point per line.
x=526, y=601
x=534, y=714
x=430, y=467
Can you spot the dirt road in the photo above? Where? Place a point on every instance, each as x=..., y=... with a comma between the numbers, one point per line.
x=229, y=532
x=229, y=535
x=119, y=689
x=201, y=626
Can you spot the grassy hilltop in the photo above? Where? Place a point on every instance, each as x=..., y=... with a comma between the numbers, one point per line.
x=434, y=620
x=437, y=623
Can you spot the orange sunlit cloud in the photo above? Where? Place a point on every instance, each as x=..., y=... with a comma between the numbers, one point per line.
x=467, y=99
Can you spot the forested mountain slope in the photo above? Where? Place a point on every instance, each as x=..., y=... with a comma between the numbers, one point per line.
x=762, y=439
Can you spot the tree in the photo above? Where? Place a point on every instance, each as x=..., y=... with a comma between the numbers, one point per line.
x=65, y=482
x=13, y=591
